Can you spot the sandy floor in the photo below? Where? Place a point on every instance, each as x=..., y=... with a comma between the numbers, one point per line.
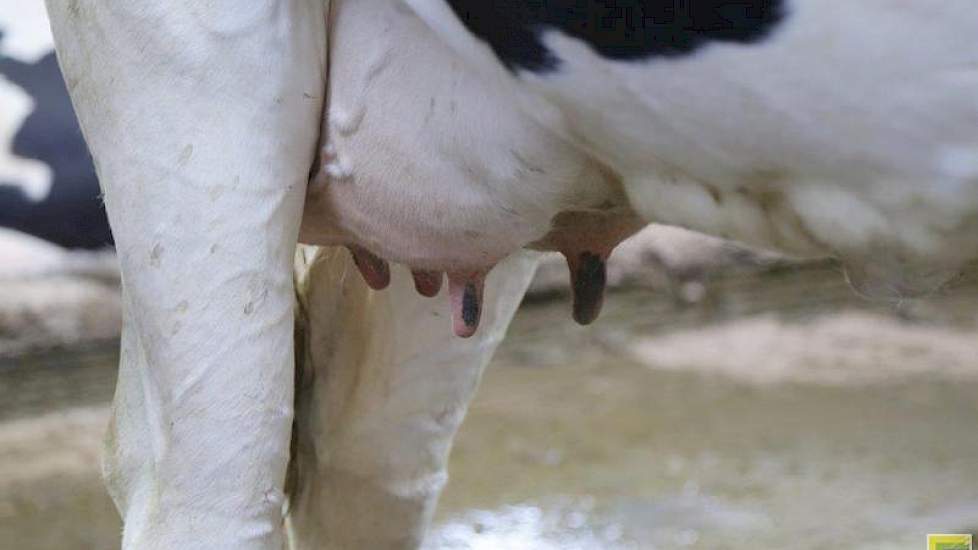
x=778, y=412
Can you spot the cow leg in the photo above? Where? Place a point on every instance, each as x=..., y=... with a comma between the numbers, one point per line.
x=382, y=389
x=202, y=118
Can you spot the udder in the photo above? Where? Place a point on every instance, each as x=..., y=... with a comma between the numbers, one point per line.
x=429, y=162
x=457, y=224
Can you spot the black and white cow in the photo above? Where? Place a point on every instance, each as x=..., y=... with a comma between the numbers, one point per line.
x=48, y=186
x=451, y=135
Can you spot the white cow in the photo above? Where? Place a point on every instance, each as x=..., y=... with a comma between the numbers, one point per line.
x=456, y=133
x=203, y=120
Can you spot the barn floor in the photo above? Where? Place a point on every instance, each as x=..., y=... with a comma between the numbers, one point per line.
x=779, y=412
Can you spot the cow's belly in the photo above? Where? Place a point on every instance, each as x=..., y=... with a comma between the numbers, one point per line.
x=846, y=128
x=857, y=119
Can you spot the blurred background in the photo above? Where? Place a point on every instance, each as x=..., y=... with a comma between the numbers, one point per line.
x=727, y=398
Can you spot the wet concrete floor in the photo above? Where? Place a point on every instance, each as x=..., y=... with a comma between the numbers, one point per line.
x=579, y=441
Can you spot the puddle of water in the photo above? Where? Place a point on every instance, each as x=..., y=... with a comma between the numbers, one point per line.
x=556, y=526
x=571, y=443
x=565, y=524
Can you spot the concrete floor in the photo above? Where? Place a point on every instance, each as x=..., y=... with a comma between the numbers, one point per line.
x=779, y=412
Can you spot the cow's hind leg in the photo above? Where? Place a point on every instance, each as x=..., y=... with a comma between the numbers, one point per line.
x=202, y=118
x=383, y=387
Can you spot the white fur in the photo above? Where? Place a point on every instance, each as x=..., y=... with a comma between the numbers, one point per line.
x=425, y=159
x=26, y=38
x=202, y=122
x=202, y=132
x=383, y=386
x=32, y=177
x=26, y=34
x=839, y=135
x=852, y=130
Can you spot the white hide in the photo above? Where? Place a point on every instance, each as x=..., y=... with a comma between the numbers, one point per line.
x=26, y=33
x=32, y=177
x=202, y=119
x=383, y=386
x=852, y=130
x=26, y=38
x=838, y=135
x=425, y=160
x=202, y=122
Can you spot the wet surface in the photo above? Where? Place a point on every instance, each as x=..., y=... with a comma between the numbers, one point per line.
x=618, y=456
x=582, y=439
x=57, y=379
x=576, y=442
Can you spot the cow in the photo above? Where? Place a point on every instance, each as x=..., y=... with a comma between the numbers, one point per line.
x=48, y=187
x=448, y=136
